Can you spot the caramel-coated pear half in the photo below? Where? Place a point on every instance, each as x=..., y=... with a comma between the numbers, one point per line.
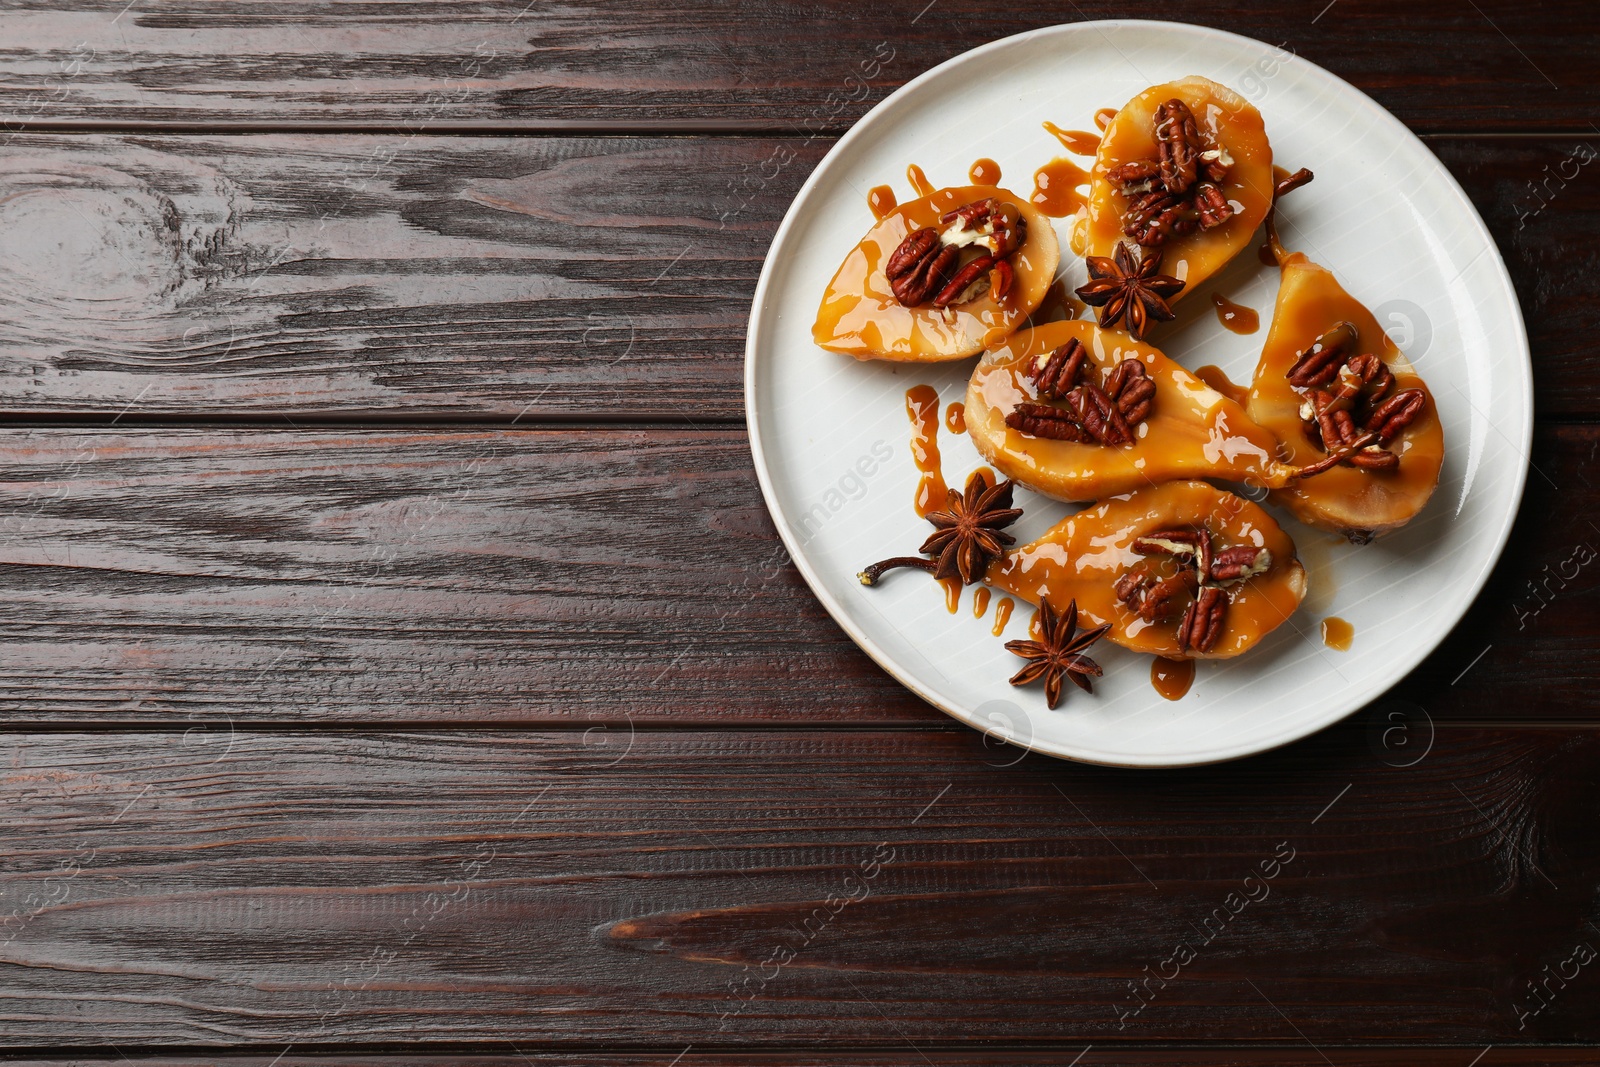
x=861, y=317
x=1192, y=430
x=1083, y=557
x=1224, y=119
x=1358, y=503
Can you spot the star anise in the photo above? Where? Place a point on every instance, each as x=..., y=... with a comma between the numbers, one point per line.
x=1122, y=289
x=969, y=535
x=1060, y=653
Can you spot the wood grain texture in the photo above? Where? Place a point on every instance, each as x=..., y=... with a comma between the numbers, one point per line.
x=392, y=887
x=509, y=279
x=595, y=577
x=768, y=65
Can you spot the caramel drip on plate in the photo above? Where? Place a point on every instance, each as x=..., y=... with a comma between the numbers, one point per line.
x=984, y=172
x=980, y=601
x=1078, y=142
x=1172, y=677
x=1212, y=375
x=955, y=417
x=1103, y=117
x=1337, y=634
x=880, y=198
x=1035, y=632
x=919, y=181
x=1235, y=317
x=1002, y=615
x=1056, y=188
x=922, y=406
x=952, y=593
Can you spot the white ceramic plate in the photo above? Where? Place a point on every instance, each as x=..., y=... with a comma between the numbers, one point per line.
x=830, y=435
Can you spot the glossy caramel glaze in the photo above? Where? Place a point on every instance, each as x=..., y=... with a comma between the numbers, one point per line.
x=1235, y=317
x=1082, y=556
x=881, y=201
x=922, y=408
x=919, y=181
x=1192, y=432
x=1103, y=117
x=1172, y=677
x=1002, y=615
x=1222, y=117
x=980, y=601
x=1058, y=304
x=1078, y=142
x=1337, y=634
x=1056, y=188
x=1214, y=376
x=952, y=594
x=859, y=315
x=1353, y=502
x=984, y=172
x=955, y=417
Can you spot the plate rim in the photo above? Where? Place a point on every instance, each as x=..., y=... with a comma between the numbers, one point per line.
x=841, y=617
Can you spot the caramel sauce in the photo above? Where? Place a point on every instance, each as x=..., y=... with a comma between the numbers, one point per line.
x=1213, y=376
x=1083, y=555
x=860, y=316
x=1191, y=432
x=1002, y=615
x=880, y=198
x=1035, y=627
x=955, y=417
x=980, y=601
x=1172, y=677
x=919, y=181
x=952, y=594
x=1337, y=634
x=1235, y=317
x=1058, y=304
x=984, y=172
x=1055, y=188
x=1223, y=118
x=1078, y=142
x=1103, y=117
x=922, y=407
x=1345, y=499
x=1265, y=253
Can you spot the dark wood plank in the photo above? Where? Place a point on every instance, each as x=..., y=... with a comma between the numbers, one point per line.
x=769, y=65
x=1095, y=1056
x=520, y=887
x=505, y=278
x=545, y=576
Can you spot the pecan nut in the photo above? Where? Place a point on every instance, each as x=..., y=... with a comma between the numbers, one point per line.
x=918, y=268
x=1055, y=374
x=1396, y=413
x=1201, y=627
x=1097, y=414
x=1319, y=364
x=1042, y=420
x=969, y=282
x=1156, y=217
x=1158, y=600
x=1239, y=562
x=1133, y=390
x=1212, y=206
x=1179, y=144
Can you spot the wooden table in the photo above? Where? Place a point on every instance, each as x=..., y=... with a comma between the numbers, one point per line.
x=400, y=666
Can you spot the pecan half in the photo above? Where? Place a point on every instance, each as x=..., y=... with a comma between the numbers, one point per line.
x=1156, y=217
x=1097, y=414
x=1375, y=376
x=1212, y=207
x=1180, y=146
x=1396, y=413
x=1000, y=278
x=968, y=283
x=1166, y=543
x=1202, y=622
x=1055, y=374
x=1239, y=562
x=1130, y=589
x=918, y=268
x=1339, y=434
x=1136, y=177
x=1157, y=602
x=1042, y=420
x=1133, y=390
x=1319, y=364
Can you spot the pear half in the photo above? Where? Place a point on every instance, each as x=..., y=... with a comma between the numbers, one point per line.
x=1192, y=431
x=1360, y=504
x=1223, y=119
x=861, y=317
x=1082, y=557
